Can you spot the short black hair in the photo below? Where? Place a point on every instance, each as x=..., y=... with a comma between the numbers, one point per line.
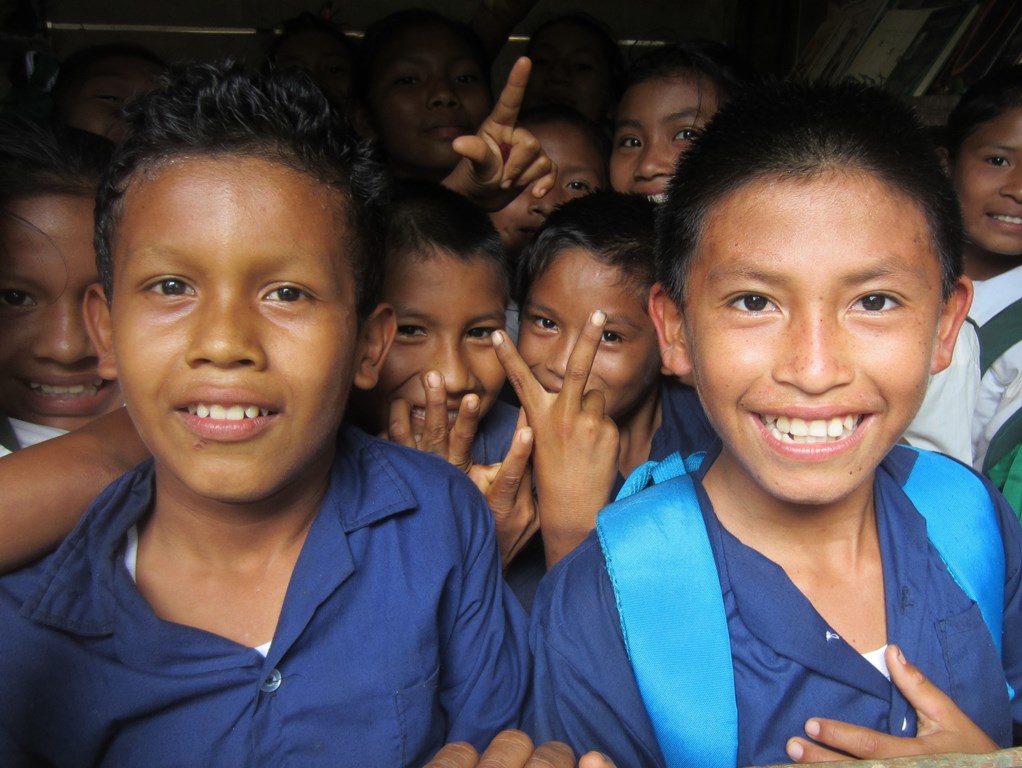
x=616, y=229
x=724, y=68
x=309, y=22
x=608, y=45
x=987, y=99
x=813, y=130
x=551, y=114
x=40, y=158
x=219, y=110
x=382, y=32
x=425, y=218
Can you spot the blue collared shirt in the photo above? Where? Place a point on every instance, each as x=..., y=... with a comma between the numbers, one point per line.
x=396, y=636
x=788, y=663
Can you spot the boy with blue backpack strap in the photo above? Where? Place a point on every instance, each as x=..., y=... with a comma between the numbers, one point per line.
x=808, y=587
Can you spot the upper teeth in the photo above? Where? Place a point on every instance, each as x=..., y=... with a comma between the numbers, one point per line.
x=1008, y=219
x=228, y=412
x=796, y=430
x=75, y=389
x=658, y=198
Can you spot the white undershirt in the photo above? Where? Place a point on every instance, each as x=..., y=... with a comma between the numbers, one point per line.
x=878, y=660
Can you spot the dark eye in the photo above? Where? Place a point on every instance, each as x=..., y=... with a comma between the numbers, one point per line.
x=467, y=79
x=171, y=286
x=406, y=80
x=629, y=142
x=287, y=293
x=752, y=302
x=609, y=337
x=687, y=134
x=13, y=298
x=545, y=323
x=480, y=333
x=411, y=330
x=577, y=185
x=876, y=302
x=997, y=160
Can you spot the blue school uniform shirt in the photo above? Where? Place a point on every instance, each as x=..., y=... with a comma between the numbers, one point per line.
x=788, y=664
x=395, y=637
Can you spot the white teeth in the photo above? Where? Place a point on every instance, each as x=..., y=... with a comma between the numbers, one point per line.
x=796, y=430
x=227, y=413
x=658, y=199
x=1007, y=219
x=50, y=390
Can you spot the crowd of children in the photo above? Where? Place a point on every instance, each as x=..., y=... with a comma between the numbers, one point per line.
x=668, y=364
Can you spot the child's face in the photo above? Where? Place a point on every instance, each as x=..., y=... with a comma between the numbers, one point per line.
x=988, y=177
x=95, y=105
x=446, y=310
x=580, y=170
x=812, y=305
x=560, y=300
x=48, y=366
x=325, y=60
x=233, y=326
x=426, y=90
x=570, y=68
x=655, y=122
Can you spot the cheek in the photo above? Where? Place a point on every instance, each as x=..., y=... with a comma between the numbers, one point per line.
x=399, y=373
x=620, y=172
x=490, y=372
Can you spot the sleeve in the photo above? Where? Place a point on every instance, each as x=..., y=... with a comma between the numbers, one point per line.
x=585, y=692
x=1011, y=654
x=486, y=673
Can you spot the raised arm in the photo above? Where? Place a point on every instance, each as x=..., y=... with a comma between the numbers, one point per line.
x=48, y=486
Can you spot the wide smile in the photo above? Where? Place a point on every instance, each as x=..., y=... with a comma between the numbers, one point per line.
x=419, y=415
x=226, y=422
x=1006, y=219
x=88, y=389
x=227, y=412
x=801, y=431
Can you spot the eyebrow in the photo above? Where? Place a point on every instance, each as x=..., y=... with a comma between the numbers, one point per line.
x=753, y=274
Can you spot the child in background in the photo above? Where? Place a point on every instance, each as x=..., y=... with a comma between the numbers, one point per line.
x=984, y=147
x=669, y=94
x=809, y=275
x=575, y=145
x=423, y=94
x=259, y=593
x=596, y=414
x=575, y=62
x=49, y=382
x=94, y=84
x=321, y=49
x=447, y=278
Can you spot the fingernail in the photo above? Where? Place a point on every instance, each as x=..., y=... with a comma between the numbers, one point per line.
x=497, y=337
x=599, y=317
x=472, y=403
x=433, y=380
x=505, y=184
x=795, y=750
x=812, y=728
x=526, y=435
x=539, y=191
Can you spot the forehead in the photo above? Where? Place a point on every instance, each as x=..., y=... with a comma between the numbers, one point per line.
x=566, y=143
x=567, y=37
x=432, y=41
x=236, y=204
x=825, y=227
x=443, y=280
x=669, y=96
x=36, y=229
x=1005, y=131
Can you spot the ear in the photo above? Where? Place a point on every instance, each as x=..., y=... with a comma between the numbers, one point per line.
x=96, y=311
x=377, y=334
x=952, y=315
x=669, y=320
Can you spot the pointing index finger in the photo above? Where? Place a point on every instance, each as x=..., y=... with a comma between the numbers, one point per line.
x=505, y=111
x=580, y=361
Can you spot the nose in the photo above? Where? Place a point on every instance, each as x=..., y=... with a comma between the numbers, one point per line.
x=442, y=93
x=558, y=352
x=656, y=160
x=225, y=333
x=453, y=364
x=814, y=355
x=61, y=335
x=1012, y=186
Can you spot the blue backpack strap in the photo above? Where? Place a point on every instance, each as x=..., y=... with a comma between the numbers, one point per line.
x=675, y=629
x=970, y=545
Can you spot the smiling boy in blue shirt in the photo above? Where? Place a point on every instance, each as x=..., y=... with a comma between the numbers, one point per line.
x=809, y=267
x=263, y=591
